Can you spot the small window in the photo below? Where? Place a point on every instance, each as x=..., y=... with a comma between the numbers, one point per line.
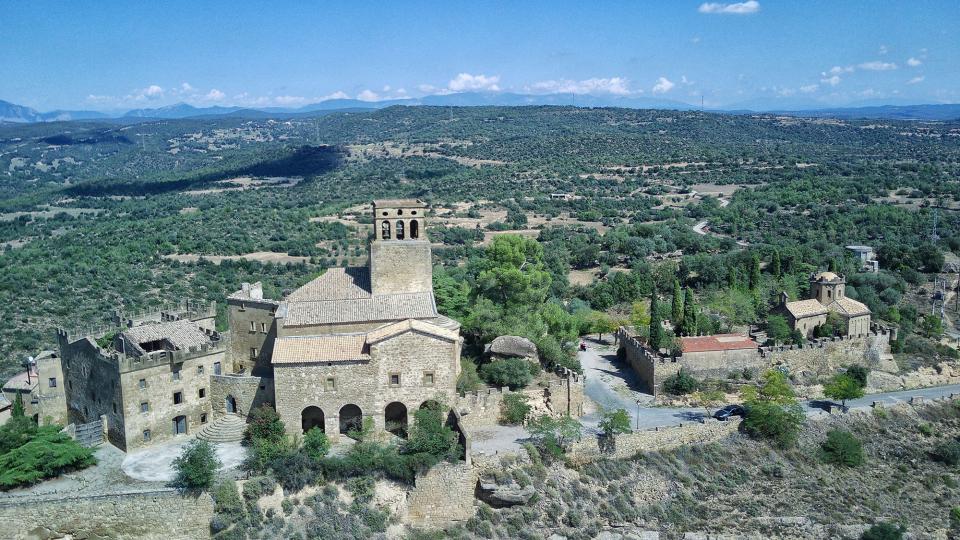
x=385, y=230
x=176, y=375
x=146, y=435
x=400, y=212
x=263, y=328
x=253, y=353
x=253, y=326
x=202, y=393
x=114, y=408
x=70, y=385
x=428, y=378
x=144, y=407
x=400, y=234
x=243, y=307
x=142, y=383
x=203, y=418
x=331, y=384
x=199, y=370
x=177, y=398
x=216, y=368
x=394, y=379
x=52, y=382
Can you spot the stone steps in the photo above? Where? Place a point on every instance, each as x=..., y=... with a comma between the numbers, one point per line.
x=229, y=428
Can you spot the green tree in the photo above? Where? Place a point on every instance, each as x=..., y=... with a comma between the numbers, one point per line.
x=775, y=264
x=315, y=443
x=513, y=274
x=884, y=531
x=841, y=448
x=773, y=411
x=690, y=324
x=615, y=422
x=429, y=435
x=932, y=327
x=843, y=387
x=511, y=372
x=196, y=467
x=601, y=323
x=640, y=315
x=554, y=435
x=657, y=335
x=18, y=410
x=681, y=383
x=859, y=374
x=778, y=331
x=514, y=409
x=676, y=308
x=754, y=274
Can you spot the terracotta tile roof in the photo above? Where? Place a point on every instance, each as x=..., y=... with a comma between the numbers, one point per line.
x=335, y=284
x=849, y=307
x=806, y=308
x=386, y=332
x=182, y=334
x=387, y=307
x=329, y=348
x=717, y=342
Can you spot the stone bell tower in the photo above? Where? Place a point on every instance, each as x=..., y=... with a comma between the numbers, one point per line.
x=400, y=252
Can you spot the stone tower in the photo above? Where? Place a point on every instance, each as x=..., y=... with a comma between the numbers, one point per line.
x=400, y=251
x=826, y=287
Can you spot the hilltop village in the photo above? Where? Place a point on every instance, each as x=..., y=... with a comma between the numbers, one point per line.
x=354, y=353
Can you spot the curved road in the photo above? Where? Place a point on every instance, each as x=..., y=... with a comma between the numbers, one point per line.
x=613, y=385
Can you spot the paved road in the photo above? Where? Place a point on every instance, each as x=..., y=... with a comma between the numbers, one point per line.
x=613, y=385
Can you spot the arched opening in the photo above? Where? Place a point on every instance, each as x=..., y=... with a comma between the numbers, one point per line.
x=385, y=230
x=312, y=417
x=414, y=229
x=231, y=405
x=180, y=425
x=395, y=419
x=431, y=404
x=399, y=230
x=351, y=419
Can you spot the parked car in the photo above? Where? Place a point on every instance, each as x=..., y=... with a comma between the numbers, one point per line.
x=725, y=413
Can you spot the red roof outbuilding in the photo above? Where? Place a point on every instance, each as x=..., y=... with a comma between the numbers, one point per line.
x=717, y=342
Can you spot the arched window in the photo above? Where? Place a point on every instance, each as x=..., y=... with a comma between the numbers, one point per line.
x=385, y=230
x=414, y=229
x=399, y=230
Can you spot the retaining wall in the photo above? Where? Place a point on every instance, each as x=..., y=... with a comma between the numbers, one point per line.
x=661, y=438
x=443, y=496
x=156, y=515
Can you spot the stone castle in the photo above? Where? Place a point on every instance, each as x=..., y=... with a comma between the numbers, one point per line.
x=354, y=346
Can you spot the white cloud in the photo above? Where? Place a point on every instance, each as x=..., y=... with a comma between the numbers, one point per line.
x=613, y=85
x=695, y=40
x=739, y=8
x=832, y=80
x=877, y=65
x=368, y=95
x=684, y=81
x=918, y=79
x=914, y=62
x=215, y=95
x=836, y=70
x=185, y=87
x=339, y=94
x=466, y=81
x=427, y=88
x=884, y=49
x=663, y=86
x=810, y=88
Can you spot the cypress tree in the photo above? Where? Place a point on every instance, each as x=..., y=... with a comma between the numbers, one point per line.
x=18, y=411
x=676, y=312
x=656, y=329
x=689, y=326
x=754, y=275
x=776, y=264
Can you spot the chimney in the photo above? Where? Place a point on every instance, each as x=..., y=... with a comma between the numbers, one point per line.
x=784, y=298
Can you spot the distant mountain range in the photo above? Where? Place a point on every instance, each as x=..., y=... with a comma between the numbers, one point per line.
x=10, y=112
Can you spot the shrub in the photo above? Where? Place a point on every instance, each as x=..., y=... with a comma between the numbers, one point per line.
x=553, y=435
x=955, y=517
x=947, y=453
x=615, y=422
x=258, y=486
x=843, y=387
x=680, y=384
x=294, y=470
x=842, y=448
x=429, y=435
x=779, y=423
x=884, y=531
x=469, y=379
x=196, y=467
x=226, y=498
x=511, y=372
x=514, y=409
x=46, y=454
x=265, y=425
x=859, y=373
x=315, y=444
x=361, y=488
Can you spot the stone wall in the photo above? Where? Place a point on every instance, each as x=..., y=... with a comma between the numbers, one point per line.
x=92, y=386
x=481, y=408
x=252, y=326
x=443, y=496
x=249, y=393
x=661, y=438
x=400, y=266
x=825, y=356
x=157, y=515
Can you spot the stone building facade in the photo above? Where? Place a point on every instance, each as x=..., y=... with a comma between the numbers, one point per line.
x=40, y=388
x=150, y=376
x=828, y=295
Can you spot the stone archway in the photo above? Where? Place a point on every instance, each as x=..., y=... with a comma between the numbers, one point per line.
x=395, y=419
x=312, y=417
x=231, y=403
x=351, y=418
x=431, y=404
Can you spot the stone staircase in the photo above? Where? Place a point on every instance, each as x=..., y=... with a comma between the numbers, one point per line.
x=227, y=428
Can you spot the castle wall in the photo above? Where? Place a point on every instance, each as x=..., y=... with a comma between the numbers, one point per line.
x=157, y=515
x=92, y=386
x=366, y=384
x=628, y=445
x=825, y=356
x=194, y=375
x=252, y=326
x=51, y=401
x=249, y=392
x=443, y=496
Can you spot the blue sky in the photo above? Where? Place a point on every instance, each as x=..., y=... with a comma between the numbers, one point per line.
x=117, y=54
